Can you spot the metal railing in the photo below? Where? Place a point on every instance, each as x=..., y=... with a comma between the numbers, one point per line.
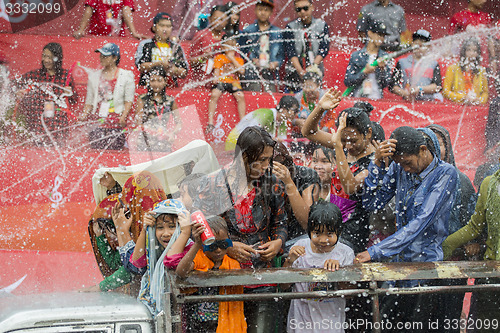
x=370, y=273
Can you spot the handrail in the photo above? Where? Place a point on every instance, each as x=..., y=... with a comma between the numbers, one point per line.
x=359, y=272
x=369, y=273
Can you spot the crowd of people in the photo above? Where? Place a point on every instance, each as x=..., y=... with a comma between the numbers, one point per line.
x=338, y=194
x=260, y=57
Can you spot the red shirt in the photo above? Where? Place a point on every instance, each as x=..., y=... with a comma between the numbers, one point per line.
x=203, y=41
x=98, y=25
x=462, y=19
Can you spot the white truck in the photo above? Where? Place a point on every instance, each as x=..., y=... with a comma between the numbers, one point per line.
x=116, y=313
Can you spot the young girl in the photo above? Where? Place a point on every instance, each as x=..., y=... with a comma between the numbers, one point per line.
x=323, y=162
x=320, y=250
x=354, y=136
x=212, y=316
x=154, y=112
x=466, y=81
x=172, y=229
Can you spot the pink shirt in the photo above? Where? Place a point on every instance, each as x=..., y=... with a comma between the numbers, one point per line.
x=169, y=261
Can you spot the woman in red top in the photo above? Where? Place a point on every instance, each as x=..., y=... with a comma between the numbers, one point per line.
x=44, y=98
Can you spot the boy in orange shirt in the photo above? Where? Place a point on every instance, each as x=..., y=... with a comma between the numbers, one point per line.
x=211, y=317
x=228, y=66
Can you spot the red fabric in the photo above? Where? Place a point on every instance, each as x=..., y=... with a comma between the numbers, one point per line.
x=97, y=25
x=461, y=20
x=336, y=186
x=243, y=211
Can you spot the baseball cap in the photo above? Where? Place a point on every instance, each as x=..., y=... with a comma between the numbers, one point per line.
x=422, y=34
x=109, y=49
x=161, y=16
x=169, y=206
x=378, y=27
x=269, y=3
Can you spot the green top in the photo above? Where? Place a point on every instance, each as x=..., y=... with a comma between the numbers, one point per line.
x=112, y=257
x=487, y=213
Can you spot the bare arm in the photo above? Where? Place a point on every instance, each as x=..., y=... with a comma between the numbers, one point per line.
x=350, y=183
x=184, y=221
x=186, y=265
x=330, y=100
x=177, y=119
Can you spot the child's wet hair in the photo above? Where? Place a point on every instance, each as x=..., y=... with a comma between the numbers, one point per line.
x=162, y=217
x=324, y=215
x=217, y=224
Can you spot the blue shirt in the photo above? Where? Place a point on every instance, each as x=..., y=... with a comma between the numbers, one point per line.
x=423, y=206
x=249, y=42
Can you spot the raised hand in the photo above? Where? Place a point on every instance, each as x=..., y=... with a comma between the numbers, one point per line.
x=337, y=135
x=383, y=151
x=330, y=100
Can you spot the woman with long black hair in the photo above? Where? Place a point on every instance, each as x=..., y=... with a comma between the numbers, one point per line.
x=44, y=95
x=252, y=201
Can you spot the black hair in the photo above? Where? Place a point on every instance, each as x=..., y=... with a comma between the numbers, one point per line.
x=324, y=215
x=217, y=224
x=409, y=140
x=251, y=143
x=477, y=61
x=192, y=183
x=57, y=53
x=365, y=106
x=156, y=70
x=356, y=118
x=313, y=76
x=429, y=144
x=220, y=8
x=329, y=153
x=378, y=133
x=288, y=102
x=282, y=155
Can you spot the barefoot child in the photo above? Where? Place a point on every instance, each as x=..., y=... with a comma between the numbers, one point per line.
x=321, y=250
x=211, y=317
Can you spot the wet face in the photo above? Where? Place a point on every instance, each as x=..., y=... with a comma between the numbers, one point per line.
x=157, y=83
x=411, y=163
x=165, y=227
x=259, y=167
x=107, y=181
x=421, y=50
x=217, y=255
x=48, y=59
x=322, y=240
x=185, y=197
x=322, y=166
x=311, y=90
x=354, y=141
x=375, y=38
x=218, y=20
x=471, y=52
x=107, y=61
x=163, y=29
x=286, y=114
x=304, y=10
x=263, y=13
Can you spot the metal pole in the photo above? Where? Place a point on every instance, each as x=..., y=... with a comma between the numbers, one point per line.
x=375, y=307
